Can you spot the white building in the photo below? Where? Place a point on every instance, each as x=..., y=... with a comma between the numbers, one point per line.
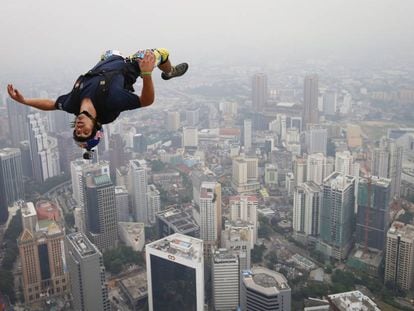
x=315, y=168
x=122, y=203
x=137, y=189
x=317, y=139
x=176, y=259
x=153, y=202
x=247, y=135
x=264, y=289
x=190, y=137
x=225, y=280
x=173, y=121
x=307, y=203
x=244, y=207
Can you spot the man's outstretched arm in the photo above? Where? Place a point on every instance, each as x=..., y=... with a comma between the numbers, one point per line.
x=39, y=103
x=146, y=66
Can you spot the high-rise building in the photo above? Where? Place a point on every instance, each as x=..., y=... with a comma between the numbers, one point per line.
x=225, y=280
x=100, y=211
x=192, y=117
x=122, y=203
x=68, y=150
x=337, y=215
x=259, y=91
x=387, y=162
x=137, y=189
x=43, y=149
x=153, y=202
x=43, y=261
x=329, y=103
x=139, y=143
x=310, y=100
x=197, y=178
x=296, y=122
x=247, y=135
x=190, y=137
x=372, y=220
x=316, y=139
x=237, y=237
x=399, y=258
x=210, y=214
x=262, y=289
x=173, y=121
x=17, y=116
x=344, y=163
x=300, y=170
x=307, y=203
x=87, y=274
x=26, y=159
x=11, y=180
x=244, y=207
x=271, y=175
x=175, y=273
x=245, y=174
x=315, y=168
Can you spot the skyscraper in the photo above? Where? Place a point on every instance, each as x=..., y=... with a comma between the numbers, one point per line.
x=210, y=214
x=247, y=135
x=173, y=121
x=192, y=117
x=259, y=91
x=43, y=149
x=329, y=103
x=137, y=189
x=17, y=116
x=100, y=211
x=122, y=203
x=87, y=274
x=175, y=273
x=344, y=163
x=153, y=202
x=262, y=289
x=310, y=100
x=387, y=162
x=337, y=214
x=245, y=174
x=399, y=259
x=225, y=280
x=43, y=261
x=315, y=168
x=307, y=203
x=190, y=137
x=316, y=139
x=11, y=180
x=244, y=207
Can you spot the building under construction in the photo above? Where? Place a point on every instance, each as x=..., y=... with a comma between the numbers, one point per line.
x=372, y=220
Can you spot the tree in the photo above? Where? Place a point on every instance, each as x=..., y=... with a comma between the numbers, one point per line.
x=157, y=166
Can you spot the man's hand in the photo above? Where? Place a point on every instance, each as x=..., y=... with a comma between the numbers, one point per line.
x=15, y=94
x=147, y=63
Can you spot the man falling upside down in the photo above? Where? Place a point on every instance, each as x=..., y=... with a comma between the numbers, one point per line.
x=99, y=96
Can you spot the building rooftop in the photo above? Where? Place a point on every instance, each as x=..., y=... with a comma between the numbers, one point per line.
x=9, y=151
x=121, y=190
x=339, y=181
x=81, y=244
x=28, y=209
x=135, y=286
x=377, y=181
x=400, y=229
x=179, y=219
x=352, y=301
x=223, y=255
x=180, y=245
x=133, y=228
x=265, y=281
x=312, y=186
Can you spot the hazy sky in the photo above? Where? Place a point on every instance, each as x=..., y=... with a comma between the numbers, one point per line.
x=49, y=32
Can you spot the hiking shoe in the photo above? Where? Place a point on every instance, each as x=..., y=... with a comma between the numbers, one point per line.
x=177, y=71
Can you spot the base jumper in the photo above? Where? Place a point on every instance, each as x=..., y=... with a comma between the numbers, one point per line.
x=99, y=96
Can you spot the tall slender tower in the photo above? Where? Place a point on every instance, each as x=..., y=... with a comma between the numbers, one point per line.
x=17, y=116
x=310, y=100
x=247, y=135
x=244, y=207
x=259, y=91
x=138, y=183
x=11, y=180
x=337, y=214
x=87, y=274
x=210, y=214
x=307, y=203
x=100, y=210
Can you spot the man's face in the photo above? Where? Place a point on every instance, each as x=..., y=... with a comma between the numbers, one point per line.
x=83, y=126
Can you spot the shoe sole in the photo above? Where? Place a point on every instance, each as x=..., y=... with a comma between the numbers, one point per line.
x=179, y=74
